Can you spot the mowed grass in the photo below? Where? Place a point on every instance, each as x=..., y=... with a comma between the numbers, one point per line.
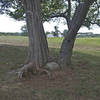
x=81, y=80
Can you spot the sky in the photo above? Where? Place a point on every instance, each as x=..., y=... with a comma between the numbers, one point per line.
x=8, y=24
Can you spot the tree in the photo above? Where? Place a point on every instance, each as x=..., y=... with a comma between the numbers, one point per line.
x=75, y=18
x=74, y=25
x=24, y=30
x=66, y=8
x=56, y=32
x=47, y=33
x=38, y=48
x=54, y=8
x=64, y=33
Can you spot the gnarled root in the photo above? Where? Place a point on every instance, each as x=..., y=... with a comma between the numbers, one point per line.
x=30, y=69
x=24, y=70
x=45, y=71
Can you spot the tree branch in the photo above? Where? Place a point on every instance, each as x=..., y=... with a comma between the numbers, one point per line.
x=69, y=14
x=57, y=15
x=91, y=22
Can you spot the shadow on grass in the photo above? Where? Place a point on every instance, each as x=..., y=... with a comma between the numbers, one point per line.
x=13, y=56
x=84, y=83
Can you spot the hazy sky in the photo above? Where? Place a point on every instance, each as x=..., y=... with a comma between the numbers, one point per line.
x=8, y=24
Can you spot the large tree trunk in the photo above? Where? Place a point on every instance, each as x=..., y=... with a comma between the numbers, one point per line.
x=65, y=54
x=38, y=48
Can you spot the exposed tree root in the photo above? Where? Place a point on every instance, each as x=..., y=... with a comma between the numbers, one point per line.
x=29, y=69
x=24, y=70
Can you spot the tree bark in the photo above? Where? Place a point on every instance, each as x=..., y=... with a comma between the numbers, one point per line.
x=38, y=47
x=65, y=53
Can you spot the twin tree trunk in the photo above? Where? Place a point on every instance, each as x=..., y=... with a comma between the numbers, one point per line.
x=65, y=54
x=38, y=47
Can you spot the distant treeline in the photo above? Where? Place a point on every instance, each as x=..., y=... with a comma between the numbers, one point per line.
x=79, y=35
x=13, y=34
x=88, y=34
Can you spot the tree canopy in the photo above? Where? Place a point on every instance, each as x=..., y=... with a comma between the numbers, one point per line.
x=53, y=9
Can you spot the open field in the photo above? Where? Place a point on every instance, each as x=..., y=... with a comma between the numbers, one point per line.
x=80, y=81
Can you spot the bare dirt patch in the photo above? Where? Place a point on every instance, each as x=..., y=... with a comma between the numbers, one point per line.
x=60, y=79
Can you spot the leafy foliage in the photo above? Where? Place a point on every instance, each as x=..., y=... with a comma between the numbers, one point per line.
x=93, y=16
x=24, y=30
x=52, y=9
x=64, y=33
x=13, y=8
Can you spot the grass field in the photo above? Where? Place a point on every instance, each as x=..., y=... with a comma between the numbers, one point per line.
x=80, y=81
